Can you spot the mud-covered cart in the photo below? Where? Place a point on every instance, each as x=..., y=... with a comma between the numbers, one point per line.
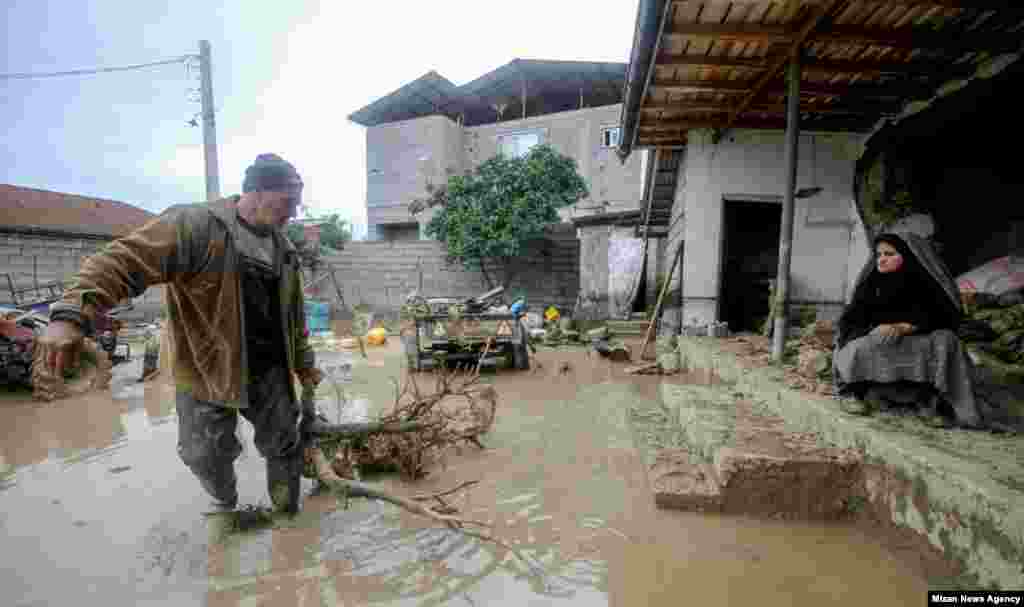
x=455, y=331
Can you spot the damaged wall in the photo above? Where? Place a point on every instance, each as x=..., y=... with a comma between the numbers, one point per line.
x=751, y=165
x=382, y=274
x=625, y=261
x=36, y=259
x=593, y=272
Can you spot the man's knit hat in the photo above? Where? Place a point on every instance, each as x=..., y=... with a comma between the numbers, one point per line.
x=272, y=173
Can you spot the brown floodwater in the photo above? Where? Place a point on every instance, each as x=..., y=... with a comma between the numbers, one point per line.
x=94, y=501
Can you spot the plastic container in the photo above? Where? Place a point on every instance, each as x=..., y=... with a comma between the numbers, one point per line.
x=318, y=316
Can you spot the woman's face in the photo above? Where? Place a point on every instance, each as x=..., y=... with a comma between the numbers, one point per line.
x=889, y=259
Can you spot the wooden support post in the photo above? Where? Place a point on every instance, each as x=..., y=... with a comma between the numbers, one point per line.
x=657, y=307
x=781, y=301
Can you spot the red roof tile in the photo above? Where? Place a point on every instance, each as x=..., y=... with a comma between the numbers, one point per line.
x=41, y=209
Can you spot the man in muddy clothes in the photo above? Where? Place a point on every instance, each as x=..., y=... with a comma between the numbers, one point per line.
x=236, y=320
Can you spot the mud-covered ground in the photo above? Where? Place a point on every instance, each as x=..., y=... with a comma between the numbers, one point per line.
x=95, y=507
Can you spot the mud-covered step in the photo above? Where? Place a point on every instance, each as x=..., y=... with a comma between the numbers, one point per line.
x=958, y=491
x=708, y=449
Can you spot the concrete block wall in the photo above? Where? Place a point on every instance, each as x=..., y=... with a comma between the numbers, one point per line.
x=402, y=157
x=751, y=164
x=382, y=274
x=32, y=260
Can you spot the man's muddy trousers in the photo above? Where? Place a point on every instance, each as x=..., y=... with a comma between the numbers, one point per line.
x=208, y=445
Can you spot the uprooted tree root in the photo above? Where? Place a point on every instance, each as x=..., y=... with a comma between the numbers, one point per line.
x=414, y=436
x=420, y=429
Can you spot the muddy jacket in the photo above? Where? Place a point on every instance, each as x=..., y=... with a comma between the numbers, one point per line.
x=192, y=250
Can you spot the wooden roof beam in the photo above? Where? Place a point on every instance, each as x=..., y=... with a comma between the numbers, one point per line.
x=671, y=127
x=974, y=4
x=910, y=39
x=817, y=18
x=901, y=38
x=809, y=65
x=780, y=108
x=898, y=90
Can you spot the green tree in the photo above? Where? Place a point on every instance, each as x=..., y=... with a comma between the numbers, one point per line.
x=486, y=217
x=334, y=231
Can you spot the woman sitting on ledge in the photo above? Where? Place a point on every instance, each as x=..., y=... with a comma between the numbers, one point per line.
x=896, y=340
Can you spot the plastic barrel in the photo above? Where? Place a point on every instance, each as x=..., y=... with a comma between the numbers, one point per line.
x=317, y=316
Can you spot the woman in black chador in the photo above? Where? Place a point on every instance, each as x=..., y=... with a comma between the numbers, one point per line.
x=897, y=339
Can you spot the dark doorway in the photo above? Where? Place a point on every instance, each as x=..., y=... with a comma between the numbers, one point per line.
x=750, y=259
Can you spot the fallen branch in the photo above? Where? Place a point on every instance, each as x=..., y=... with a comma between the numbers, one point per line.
x=355, y=430
x=351, y=488
x=648, y=369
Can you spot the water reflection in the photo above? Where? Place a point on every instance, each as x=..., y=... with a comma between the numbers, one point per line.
x=78, y=430
x=369, y=555
x=70, y=430
x=560, y=481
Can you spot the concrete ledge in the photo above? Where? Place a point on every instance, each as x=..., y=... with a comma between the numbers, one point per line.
x=963, y=491
x=708, y=449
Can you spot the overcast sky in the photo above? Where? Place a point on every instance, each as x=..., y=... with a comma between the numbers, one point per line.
x=285, y=75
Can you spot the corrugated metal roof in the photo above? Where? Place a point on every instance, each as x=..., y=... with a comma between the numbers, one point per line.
x=559, y=83
x=431, y=93
x=863, y=61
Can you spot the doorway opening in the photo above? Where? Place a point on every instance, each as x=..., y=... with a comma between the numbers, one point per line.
x=750, y=260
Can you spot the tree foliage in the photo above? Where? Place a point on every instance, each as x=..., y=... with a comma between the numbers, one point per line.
x=334, y=231
x=487, y=216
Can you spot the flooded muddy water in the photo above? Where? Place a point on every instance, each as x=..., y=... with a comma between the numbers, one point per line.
x=93, y=499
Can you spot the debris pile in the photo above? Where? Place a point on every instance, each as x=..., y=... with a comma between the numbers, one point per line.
x=603, y=342
x=814, y=359
x=559, y=332
x=996, y=326
x=807, y=362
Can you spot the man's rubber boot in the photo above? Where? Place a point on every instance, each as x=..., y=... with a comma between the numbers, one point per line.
x=284, y=483
x=223, y=490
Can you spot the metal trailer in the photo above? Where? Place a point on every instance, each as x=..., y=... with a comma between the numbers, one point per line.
x=464, y=337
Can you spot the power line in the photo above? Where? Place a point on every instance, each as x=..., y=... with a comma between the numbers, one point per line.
x=99, y=70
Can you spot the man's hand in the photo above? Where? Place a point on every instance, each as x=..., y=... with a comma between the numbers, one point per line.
x=59, y=346
x=310, y=376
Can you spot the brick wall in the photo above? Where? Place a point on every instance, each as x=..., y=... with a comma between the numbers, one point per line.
x=41, y=259
x=382, y=274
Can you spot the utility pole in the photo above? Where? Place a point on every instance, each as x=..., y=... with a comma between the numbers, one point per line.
x=209, y=122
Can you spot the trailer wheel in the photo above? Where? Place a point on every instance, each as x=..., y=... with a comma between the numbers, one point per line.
x=521, y=355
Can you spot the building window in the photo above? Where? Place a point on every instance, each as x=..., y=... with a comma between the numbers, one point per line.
x=517, y=145
x=610, y=136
